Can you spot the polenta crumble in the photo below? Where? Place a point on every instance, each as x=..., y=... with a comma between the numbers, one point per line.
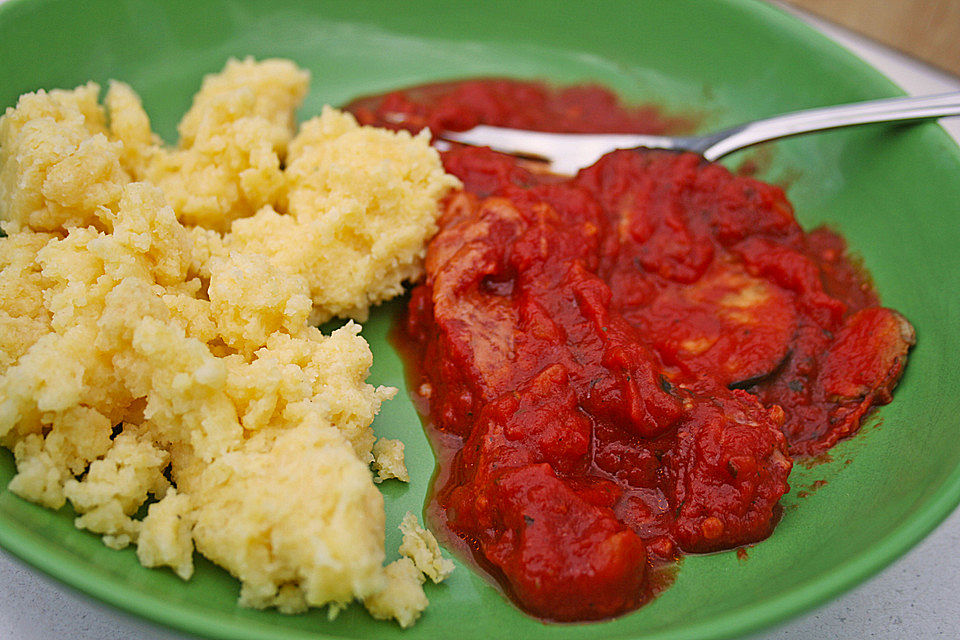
x=158, y=340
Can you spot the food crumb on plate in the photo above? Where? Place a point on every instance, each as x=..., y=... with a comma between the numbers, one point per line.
x=402, y=598
x=421, y=546
x=388, y=460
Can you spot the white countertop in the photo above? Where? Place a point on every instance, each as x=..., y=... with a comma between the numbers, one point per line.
x=916, y=597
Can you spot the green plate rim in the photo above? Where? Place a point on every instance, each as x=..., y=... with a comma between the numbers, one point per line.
x=750, y=618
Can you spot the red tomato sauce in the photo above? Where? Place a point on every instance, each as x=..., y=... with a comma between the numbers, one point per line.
x=620, y=367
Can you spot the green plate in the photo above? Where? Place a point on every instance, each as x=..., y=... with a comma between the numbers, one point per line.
x=894, y=193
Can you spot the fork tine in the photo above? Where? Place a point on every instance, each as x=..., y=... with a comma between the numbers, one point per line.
x=567, y=153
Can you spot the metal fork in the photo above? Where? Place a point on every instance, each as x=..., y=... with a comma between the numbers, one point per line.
x=569, y=152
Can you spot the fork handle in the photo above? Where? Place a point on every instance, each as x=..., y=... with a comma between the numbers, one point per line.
x=820, y=119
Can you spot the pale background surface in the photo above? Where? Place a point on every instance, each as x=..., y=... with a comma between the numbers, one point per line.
x=927, y=29
x=914, y=598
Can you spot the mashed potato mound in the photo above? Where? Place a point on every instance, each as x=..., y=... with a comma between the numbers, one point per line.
x=157, y=338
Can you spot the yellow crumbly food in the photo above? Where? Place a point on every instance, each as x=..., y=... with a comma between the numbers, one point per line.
x=388, y=460
x=422, y=548
x=157, y=344
x=403, y=598
x=232, y=140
